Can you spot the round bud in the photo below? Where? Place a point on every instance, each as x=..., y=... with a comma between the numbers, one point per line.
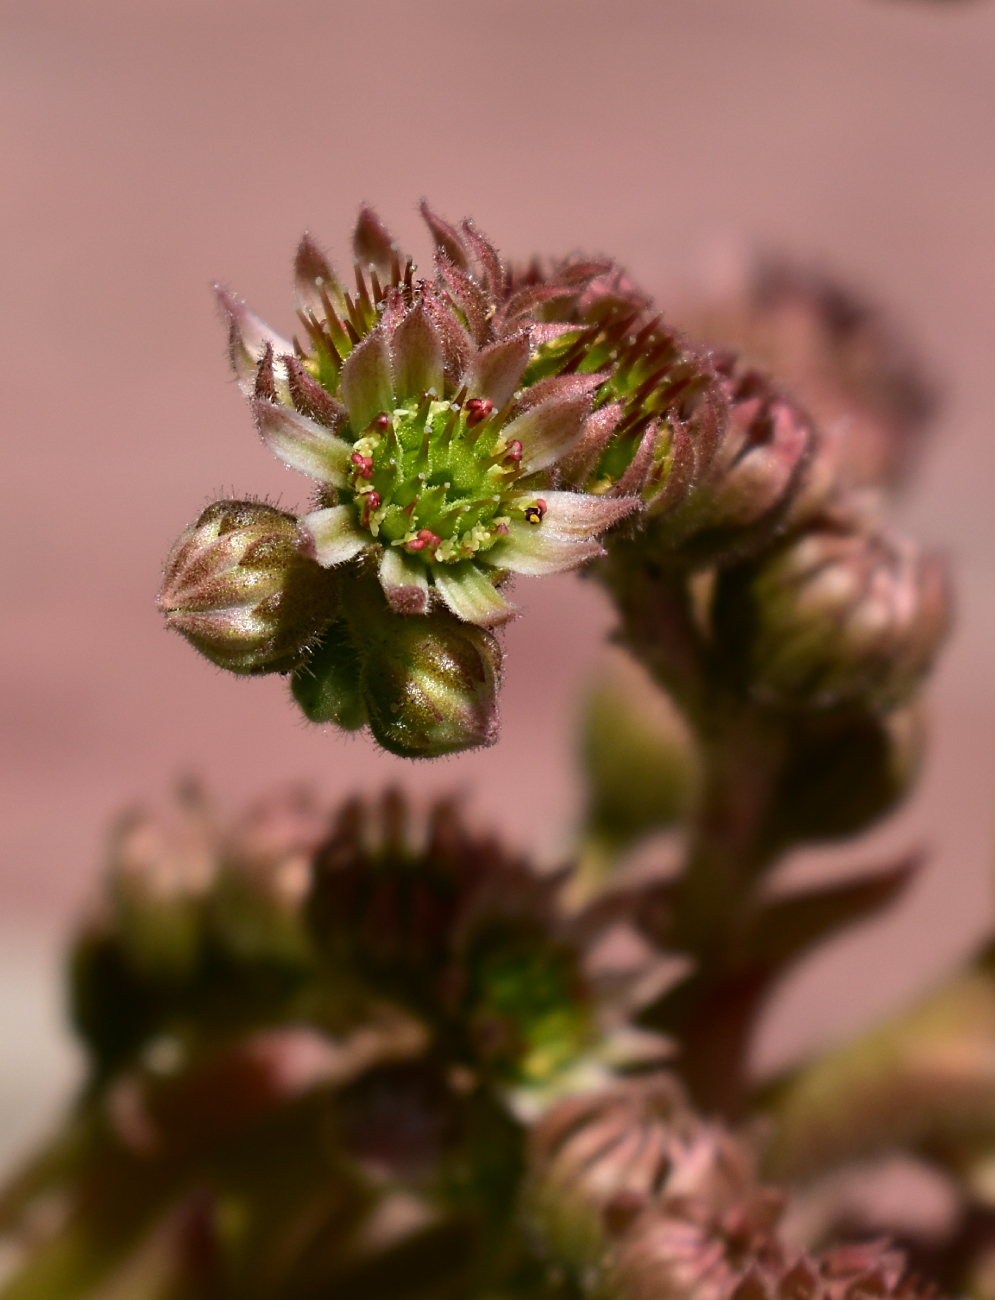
x=160, y=875
x=257, y=903
x=638, y=758
x=847, y=769
x=429, y=683
x=239, y=587
x=841, y=615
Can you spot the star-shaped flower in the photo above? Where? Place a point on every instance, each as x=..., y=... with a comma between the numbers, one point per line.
x=427, y=415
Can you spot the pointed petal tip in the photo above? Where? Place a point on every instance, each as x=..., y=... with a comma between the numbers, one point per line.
x=447, y=237
x=301, y=443
x=372, y=243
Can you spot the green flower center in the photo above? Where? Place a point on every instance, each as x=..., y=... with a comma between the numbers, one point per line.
x=432, y=478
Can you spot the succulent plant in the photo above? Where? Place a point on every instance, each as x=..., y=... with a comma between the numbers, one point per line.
x=373, y=1053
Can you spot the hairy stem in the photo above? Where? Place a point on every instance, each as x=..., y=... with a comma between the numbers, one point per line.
x=743, y=750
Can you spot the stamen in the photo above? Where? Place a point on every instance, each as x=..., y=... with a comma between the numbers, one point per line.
x=477, y=410
x=425, y=539
x=534, y=514
x=364, y=464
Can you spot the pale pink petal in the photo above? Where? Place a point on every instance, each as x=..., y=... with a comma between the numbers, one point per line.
x=532, y=550
x=365, y=381
x=560, y=386
x=471, y=595
x=404, y=582
x=333, y=535
x=457, y=346
x=548, y=432
x=577, y=515
x=491, y=271
x=302, y=444
x=312, y=273
x=495, y=371
x=373, y=244
x=467, y=296
x=599, y=427
x=247, y=339
x=416, y=355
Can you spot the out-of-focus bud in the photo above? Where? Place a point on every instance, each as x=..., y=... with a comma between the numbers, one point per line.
x=429, y=682
x=326, y=684
x=638, y=760
x=678, y=1258
x=841, y=615
x=160, y=875
x=257, y=901
x=844, y=357
x=600, y=1160
x=636, y=1193
x=921, y=1081
x=240, y=588
x=847, y=770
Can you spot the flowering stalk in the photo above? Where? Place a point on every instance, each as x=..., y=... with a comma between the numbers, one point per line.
x=372, y=1054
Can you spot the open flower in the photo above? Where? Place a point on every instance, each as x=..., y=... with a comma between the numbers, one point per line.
x=427, y=417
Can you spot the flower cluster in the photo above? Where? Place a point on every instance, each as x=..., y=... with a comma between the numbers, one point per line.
x=459, y=430
x=648, y=1201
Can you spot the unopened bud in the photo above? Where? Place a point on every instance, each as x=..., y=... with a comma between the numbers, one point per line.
x=847, y=770
x=326, y=684
x=756, y=451
x=598, y=1160
x=239, y=587
x=637, y=755
x=840, y=615
x=430, y=684
x=160, y=875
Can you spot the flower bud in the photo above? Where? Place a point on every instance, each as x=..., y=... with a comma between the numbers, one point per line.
x=598, y=1160
x=637, y=755
x=429, y=682
x=239, y=587
x=326, y=684
x=257, y=903
x=161, y=872
x=840, y=615
x=846, y=771
x=846, y=359
x=754, y=453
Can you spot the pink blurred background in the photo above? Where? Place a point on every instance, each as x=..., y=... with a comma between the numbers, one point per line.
x=151, y=146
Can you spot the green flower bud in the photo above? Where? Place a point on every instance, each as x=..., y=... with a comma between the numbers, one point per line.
x=429, y=682
x=240, y=588
x=840, y=615
x=846, y=771
x=326, y=685
x=257, y=903
x=637, y=756
x=159, y=879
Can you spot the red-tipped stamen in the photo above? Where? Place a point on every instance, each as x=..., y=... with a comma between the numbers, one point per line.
x=477, y=410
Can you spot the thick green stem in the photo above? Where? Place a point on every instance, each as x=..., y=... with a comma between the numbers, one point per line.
x=742, y=750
